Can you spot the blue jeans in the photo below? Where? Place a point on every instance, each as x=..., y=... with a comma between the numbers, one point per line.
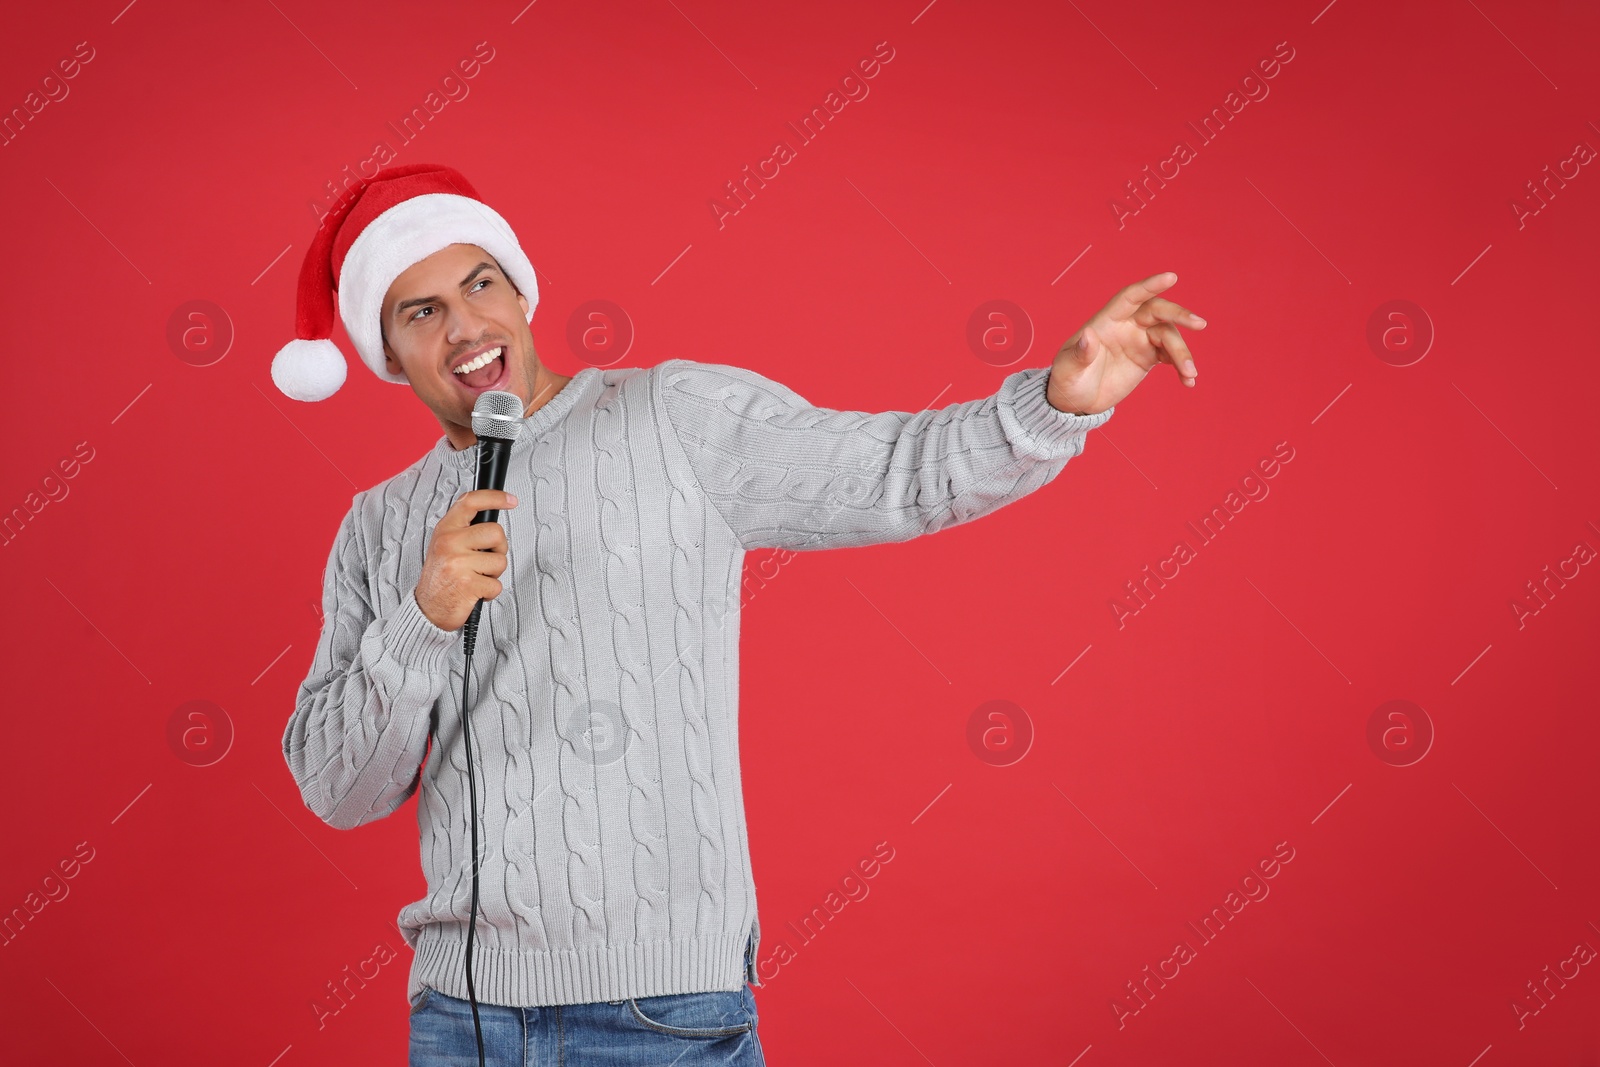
x=681, y=1030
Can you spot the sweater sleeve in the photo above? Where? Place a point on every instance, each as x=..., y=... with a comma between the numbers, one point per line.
x=785, y=474
x=359, y=732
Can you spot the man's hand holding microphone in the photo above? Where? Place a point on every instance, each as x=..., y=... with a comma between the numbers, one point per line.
x=464, y=560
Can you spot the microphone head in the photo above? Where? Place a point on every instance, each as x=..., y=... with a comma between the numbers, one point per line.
x=497, y=414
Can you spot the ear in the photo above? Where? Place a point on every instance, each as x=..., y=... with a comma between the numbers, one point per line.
x=391, y=362
x=524, y=302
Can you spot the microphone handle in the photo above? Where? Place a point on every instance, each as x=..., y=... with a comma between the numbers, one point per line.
x=494, y=456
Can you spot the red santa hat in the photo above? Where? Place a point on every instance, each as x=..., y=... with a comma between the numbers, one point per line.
x=399, y=216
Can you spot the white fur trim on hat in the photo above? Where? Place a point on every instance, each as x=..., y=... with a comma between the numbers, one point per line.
x=309, y=370
x=409, y=232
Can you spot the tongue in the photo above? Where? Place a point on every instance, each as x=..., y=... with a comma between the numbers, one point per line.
x=484, y=376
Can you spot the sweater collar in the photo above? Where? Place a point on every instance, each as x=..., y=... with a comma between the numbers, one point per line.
x=533, y=427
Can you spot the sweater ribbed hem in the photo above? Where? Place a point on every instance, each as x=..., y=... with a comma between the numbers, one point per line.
x=582, y=976
x=1036, y=428
x=414, y=641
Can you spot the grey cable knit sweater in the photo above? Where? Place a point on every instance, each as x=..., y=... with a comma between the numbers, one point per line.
x=614, y=858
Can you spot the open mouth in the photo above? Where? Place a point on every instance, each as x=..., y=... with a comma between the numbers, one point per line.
x=485, y=371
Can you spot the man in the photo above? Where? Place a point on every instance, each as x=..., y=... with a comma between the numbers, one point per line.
x=617, y=907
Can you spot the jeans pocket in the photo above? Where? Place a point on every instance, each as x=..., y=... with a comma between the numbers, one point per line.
x=715, y=1014
x=420, y=1001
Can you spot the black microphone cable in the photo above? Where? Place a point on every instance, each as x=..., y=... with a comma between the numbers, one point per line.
x=471, y=632
x=496, y=419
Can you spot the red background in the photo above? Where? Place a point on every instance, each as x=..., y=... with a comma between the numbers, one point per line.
x=1229, y=714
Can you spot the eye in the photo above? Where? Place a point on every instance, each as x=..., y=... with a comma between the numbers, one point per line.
x=429, y=307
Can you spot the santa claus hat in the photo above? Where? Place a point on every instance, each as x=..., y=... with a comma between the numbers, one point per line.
x=389, y=222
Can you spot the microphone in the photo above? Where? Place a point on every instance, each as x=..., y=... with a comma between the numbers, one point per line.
x=496, y=419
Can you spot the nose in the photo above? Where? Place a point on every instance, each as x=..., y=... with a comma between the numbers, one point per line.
x=466, y=324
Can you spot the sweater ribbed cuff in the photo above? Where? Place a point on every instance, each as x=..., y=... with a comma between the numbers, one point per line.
x=1036, y=428
x=414, y=641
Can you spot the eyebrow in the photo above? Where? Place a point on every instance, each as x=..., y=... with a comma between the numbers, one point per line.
x=404, y=304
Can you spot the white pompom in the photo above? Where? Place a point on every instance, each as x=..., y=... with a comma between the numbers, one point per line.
x=309, y=370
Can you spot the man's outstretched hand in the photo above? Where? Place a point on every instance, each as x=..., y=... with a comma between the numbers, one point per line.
x=1102, y=362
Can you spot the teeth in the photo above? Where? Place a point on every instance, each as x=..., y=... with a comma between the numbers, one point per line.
x=482, y=361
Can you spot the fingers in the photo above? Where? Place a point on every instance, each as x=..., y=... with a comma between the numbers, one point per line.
x=464, y=560
x=1166, y=337
x=468, y=505
x=466, y=567
x=1160, y=309
x=484, y=537
x=1125, y=303
x=490, y=564
x=1081, y=347
x=479, y=549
